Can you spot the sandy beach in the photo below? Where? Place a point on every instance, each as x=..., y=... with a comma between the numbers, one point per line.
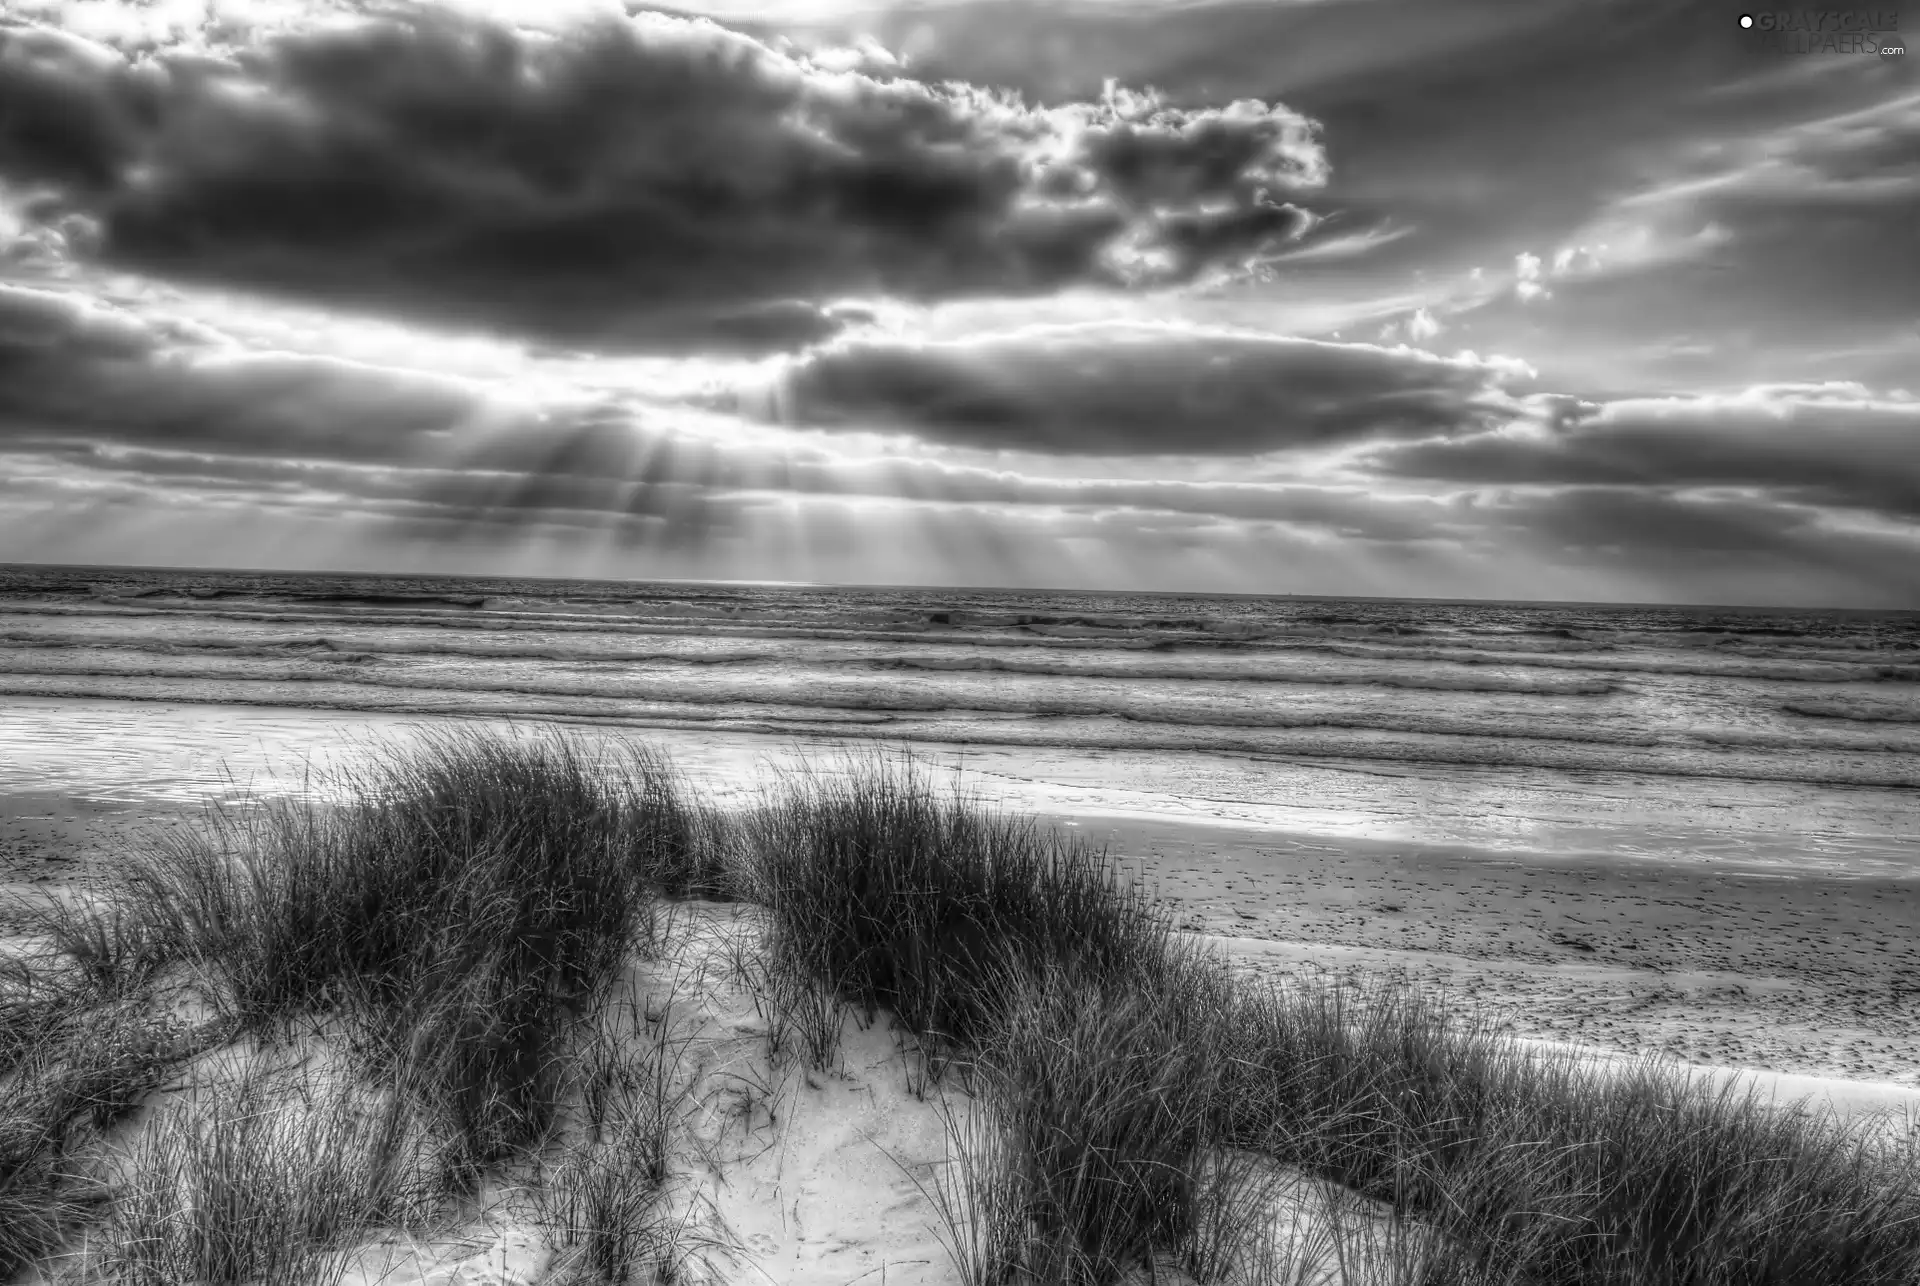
x=1801, y=988
x=1808, y=974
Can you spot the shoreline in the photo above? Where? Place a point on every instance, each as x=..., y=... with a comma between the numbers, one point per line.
x=174, y=750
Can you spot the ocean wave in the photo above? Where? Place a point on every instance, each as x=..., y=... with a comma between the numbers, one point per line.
x=372, y=649
x=506, y=624
x=1822, y=660
x=1783, y=671
x=1253, y=674
x=322, y=648
x=328, y=650
x=1479, y=654
x=800, y=689
x=1315, y=743
x=1141, y=632
x=1804, y=697
x=197, y=595
x=1800, y=743
x=1853, y=710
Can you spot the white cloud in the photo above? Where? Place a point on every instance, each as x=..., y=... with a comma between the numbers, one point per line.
x=1526, y=273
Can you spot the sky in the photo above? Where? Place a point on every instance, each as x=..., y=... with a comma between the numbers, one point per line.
x=1603, y=300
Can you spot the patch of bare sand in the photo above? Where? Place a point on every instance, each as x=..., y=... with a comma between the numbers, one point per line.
x=58, y=839
x=810, y=1177
x=1809, y=975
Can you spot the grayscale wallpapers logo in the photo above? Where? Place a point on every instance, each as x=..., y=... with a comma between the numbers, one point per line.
x=1826, y=31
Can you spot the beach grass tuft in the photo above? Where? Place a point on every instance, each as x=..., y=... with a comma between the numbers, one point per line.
x=1543, y=1166
x=471, y=896
x=922, y=900
x=1104, y=1095
x=265, y=1175
x=85, y=1069
x=462, y=847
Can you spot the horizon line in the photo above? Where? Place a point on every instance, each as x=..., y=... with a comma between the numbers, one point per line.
x=979, y=589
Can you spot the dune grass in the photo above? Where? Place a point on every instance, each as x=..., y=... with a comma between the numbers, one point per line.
x=1540, y=1167
x=458, y=922
x=903, y=895
x=79, y=1053
x=78, y=1072
x=1115, y=1058
x=265, y=1176
x=1105, y=1093
x=464, y=849
x=108, y=948
x=474, y=895
x=467, y=903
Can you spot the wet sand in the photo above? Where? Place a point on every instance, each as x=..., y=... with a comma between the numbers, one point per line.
x=48, y=839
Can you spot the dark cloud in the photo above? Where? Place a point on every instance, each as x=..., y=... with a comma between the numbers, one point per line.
x=119, y=414
x=1707, y=547
x=91, y=391
x=101, y=390
x=655, y=181
x=1828, y=445
x=614, y=474
x=107, y=391
x=72, y=367
x=1696, y=547
x=1623, y=521
x=1144, y=389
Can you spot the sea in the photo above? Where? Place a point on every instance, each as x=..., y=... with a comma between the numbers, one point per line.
x=1767, y=737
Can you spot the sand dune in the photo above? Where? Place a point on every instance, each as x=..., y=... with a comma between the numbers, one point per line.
x=1799, y=988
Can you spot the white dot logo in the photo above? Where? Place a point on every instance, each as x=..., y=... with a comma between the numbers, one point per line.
x=1746, y=20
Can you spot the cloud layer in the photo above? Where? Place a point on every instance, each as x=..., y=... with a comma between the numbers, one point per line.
x=1836, y=445
x=1146, y=390
x=108, y=418
x=969, y=311
x=653, y=181
x=75, y=370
